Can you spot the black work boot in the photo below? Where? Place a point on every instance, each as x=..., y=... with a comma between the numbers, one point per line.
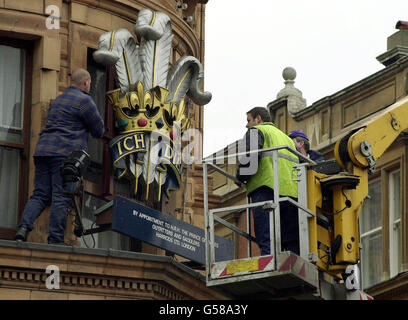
x=21, y=234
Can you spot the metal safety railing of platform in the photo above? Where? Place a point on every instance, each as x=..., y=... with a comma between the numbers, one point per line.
x=273, y=206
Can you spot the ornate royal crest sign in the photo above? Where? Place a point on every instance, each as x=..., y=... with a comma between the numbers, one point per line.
x=149, y=103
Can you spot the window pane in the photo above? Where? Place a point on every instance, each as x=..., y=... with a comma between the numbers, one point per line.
x=123, y=187
x=113, y=240
x=102, y=240
x=371, y=236
x=395, y=223
x=11, y=93
x=90, y=204
x=98, y=93
x=95, y=146
x=397, y=250
x=371, y=259
x=370, y=217
x=395, y=194
x=9, y=165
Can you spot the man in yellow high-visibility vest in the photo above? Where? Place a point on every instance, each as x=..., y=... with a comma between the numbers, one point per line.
x=257, y=173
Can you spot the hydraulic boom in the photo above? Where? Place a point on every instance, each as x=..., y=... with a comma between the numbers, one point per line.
x=338, y=195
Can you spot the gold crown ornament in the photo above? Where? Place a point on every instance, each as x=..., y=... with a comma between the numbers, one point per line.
x=142, y=110
x=149, y=100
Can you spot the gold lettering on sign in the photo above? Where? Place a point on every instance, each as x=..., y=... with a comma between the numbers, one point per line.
x=139, y=141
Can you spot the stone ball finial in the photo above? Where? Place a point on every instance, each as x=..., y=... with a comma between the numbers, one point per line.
x=295, y=101
x=289, y=73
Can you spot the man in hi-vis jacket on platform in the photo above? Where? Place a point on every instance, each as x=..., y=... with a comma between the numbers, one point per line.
x=260, y=180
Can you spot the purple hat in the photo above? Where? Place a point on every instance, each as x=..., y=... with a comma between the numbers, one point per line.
x=297, y=133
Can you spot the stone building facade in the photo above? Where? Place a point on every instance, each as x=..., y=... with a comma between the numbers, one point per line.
x=41, y=43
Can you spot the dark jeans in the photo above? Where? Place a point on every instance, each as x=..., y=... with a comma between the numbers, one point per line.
x=289, y=222
x=49, y=189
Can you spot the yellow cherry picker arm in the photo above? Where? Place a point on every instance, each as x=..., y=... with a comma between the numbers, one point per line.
x=338, y=196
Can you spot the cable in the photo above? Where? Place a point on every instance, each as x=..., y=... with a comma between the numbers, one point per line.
x=347, y=203
x=93, y=238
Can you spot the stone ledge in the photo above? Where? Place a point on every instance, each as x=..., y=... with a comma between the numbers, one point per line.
x=105, y=272
x=25, y=279
x=353, y=89
x=100, y=252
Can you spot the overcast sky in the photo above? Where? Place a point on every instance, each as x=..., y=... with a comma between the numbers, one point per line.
x=331, y=44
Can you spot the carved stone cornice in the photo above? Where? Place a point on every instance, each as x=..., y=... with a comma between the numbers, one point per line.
x=99, y=272
x=87, y=284
x=353, y=89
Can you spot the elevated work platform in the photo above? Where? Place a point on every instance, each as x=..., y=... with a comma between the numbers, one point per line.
x=283, y=274
x=266, y=277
